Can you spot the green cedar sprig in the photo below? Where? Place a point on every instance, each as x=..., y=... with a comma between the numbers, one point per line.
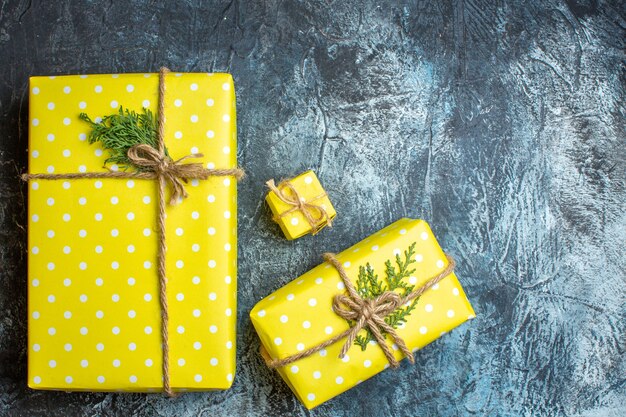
x=370, y=286
x=121, y=131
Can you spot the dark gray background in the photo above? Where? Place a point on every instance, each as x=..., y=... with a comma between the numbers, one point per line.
x=499, y=122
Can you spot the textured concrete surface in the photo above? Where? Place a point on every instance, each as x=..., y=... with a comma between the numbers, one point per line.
x=499, y=122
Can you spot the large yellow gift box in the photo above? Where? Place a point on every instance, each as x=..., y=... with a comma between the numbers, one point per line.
x=299, y=316
x=93, y=292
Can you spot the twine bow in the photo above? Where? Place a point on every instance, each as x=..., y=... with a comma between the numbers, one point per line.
x=154, y=164
x=367, y=313
x=174, y=172
x=298, y=203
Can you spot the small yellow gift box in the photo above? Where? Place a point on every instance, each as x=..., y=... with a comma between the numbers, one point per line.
x=93, y=297
x=300, y=205
x=299, y=318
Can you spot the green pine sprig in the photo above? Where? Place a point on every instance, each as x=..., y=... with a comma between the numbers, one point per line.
x=370, y=286
x=121, y=131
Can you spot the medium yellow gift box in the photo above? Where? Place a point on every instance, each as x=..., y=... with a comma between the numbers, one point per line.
x=300, y=205
x=93, y=292
x=299, y=316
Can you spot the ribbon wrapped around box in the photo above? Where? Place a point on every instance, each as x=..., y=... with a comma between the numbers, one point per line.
x=127, y=292
x=360, y=311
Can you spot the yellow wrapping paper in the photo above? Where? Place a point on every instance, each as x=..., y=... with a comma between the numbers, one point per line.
x=93, y=303
x=299, y=315
x=295, y=225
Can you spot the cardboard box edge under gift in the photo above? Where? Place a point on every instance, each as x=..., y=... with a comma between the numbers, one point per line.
x=267, y=303
x=230, y=364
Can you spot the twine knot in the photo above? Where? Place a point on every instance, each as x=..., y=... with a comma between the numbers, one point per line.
x=314, y=214
x=353, y=309
x=368, y=313
x=174, y=172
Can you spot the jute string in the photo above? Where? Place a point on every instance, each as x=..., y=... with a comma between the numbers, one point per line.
x=158, y=166
x=367, y=313
x=298, y=203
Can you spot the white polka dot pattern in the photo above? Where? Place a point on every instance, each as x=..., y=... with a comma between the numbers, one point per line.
x=299, y=315
x=93, y=294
